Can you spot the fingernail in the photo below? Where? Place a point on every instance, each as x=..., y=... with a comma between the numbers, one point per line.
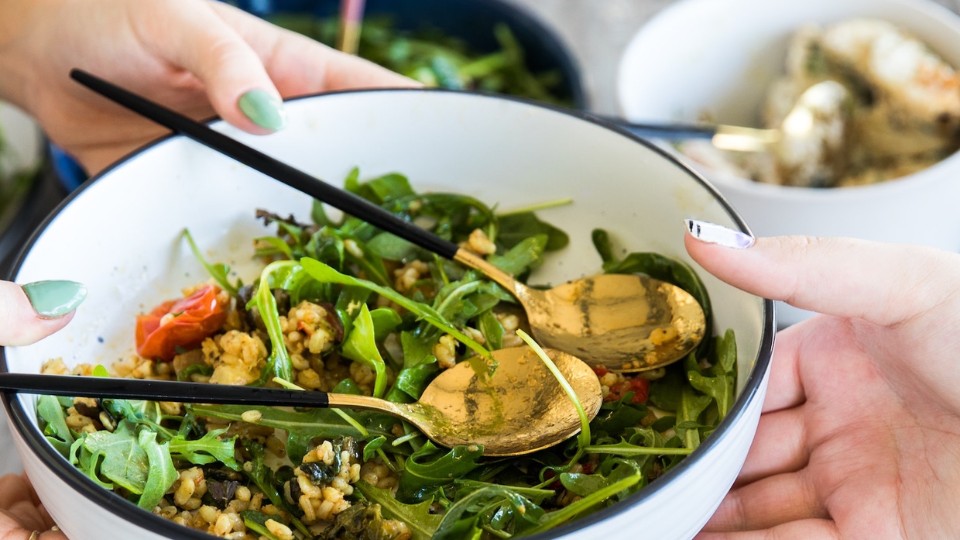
x=54, y=299
x=718, y=234
x=263, y=109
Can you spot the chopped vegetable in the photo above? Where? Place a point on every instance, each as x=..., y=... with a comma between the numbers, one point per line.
x=180, y=323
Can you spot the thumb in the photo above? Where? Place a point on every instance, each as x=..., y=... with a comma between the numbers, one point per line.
x=36, y=310
x=233, y=75
x=880, y=283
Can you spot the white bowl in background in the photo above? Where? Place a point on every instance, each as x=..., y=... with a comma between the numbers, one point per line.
x=719, y=57
x=119, y=234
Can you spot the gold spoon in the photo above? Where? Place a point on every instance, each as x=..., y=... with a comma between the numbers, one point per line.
x=520, y=409
x=811, y=103
x=621, y=322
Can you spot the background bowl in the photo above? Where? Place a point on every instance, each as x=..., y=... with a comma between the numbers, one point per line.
x=719, y=57
x=470, y=21
x=121, y=234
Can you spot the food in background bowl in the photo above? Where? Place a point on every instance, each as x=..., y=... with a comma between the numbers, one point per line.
x=862, y=101
x=487, y=45
x=336, y=324
x=731, y=53
x=438, y=59
x=545, y=155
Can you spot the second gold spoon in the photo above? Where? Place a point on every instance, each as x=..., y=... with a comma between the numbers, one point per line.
x=520, y=409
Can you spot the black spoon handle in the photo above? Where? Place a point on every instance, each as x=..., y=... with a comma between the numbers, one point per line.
x=665, y=130
x=295, y=178
x=184, y=392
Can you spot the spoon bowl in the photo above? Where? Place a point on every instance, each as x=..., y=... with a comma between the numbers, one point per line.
x=519, y=409
x=624, y=322
x=598, y=317
x=797, y=129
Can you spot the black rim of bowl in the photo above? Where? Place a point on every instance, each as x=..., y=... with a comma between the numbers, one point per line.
x=137, y=516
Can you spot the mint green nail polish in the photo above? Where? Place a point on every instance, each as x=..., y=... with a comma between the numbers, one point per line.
x=53, y=299
x=263, y=109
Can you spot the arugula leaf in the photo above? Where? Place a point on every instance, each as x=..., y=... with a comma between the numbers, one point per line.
x=413, y=381
x=162, y=474
x=624, y=448
x=429, y=467
x=278, y=364
x=491, y=328
x=583, y=438
x=535, y=494
x=391, y=247
x=257, y=522
x=692, y=405
x=515, y=228
x=301, y=427
x=521, y=257
x=495, y=507
x=374, y=444
x=361, y=346
x=219, y=272
x=576, y=508
x=419, y=520
x=55, y=428
x=87, y=462
x=325, y=273
x=382, y=189
x=125, y=462
x=616, y=416
x=207, y=449
x=270, y=246
x=263, y=477
x=718, y=388
x=665, y=392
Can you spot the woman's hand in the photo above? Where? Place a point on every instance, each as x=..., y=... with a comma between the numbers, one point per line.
x=36, y=310
x=22, y=517
x=860, y=432
x=198, y=57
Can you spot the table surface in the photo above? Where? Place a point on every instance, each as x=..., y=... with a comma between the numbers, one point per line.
x=598, y=31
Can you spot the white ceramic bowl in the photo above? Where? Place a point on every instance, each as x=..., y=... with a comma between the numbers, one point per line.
x=718, y=57
x=119, y=235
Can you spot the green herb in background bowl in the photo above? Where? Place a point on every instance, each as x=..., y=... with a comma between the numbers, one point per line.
x=438, y=59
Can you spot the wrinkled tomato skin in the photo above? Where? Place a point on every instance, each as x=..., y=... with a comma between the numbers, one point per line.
x=638, y=386
x=192, y=319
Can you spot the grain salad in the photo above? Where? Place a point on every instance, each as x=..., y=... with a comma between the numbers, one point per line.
x=361, y=326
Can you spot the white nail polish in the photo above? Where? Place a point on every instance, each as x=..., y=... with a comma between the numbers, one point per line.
x=718, y=234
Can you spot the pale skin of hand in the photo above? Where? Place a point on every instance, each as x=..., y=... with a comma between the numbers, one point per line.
x=195, y=56
x=860, y=431
x=21, y=514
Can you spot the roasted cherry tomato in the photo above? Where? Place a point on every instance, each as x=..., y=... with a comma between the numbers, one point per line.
x=639, y=386
x=182, y=323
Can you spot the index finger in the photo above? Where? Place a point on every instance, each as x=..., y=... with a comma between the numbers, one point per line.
x=880, y=283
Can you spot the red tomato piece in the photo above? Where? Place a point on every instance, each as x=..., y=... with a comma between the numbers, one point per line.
x=182, y=323
x=638, y=385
